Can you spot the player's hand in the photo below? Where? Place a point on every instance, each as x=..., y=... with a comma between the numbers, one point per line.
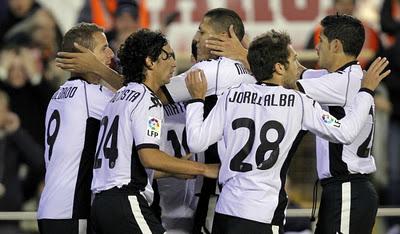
x=229, y=46
x=83, y=62
x=196, y=84
x=375, y=74
x=212, y=171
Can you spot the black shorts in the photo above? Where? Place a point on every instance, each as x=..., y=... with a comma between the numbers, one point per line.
x=64, y=226
x=347, y=206
x=119, y=211
x=226, y=224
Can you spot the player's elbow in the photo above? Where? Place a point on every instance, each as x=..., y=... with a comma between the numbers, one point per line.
x=347, y=139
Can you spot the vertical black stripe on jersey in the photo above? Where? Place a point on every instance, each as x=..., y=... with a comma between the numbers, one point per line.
x=138, y=173
x=82, y=196
x=336, y=165
x=279, y=214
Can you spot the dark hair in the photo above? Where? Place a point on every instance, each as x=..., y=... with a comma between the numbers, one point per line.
x=134, y=51
x=130, y=7
x=267, y=50
x=81, y=33
x=222, y=18
x=347, y=29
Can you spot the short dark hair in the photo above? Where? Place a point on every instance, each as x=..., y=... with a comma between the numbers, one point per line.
x=267, y=50
x=81, y=33
x=222, y=18
x=134, y=51
x=347, y=29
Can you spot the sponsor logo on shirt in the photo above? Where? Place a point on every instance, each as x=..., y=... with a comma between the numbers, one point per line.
x=154, y=127
x=330, y=120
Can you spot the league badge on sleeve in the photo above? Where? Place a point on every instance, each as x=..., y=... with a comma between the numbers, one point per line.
x=154, y=127
x=330, y=120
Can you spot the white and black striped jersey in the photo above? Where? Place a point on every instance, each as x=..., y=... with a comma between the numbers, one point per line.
x=131, y=121
x=221, y=74
x=335, y=91
x=177, y=196
x=261, y=126
x=72, y=125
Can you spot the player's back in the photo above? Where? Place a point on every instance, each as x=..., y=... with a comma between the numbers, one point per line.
x=263, y=126
x=72, y=124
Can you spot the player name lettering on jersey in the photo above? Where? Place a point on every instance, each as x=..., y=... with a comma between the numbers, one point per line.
x=267, y=100
x=241, y=69
x=125, y=95
x=66, y=92
x=174, y=109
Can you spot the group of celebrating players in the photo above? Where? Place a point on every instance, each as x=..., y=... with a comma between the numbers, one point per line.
x=238, y=119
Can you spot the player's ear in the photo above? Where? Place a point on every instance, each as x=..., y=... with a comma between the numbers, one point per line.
x=149, y=63
x=279, y=68
x=336, y=46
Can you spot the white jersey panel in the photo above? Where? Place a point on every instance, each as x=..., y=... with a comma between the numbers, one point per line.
x=221, y=74
x=177, y=196
x=313, y=73
x=132, y=120
x=66, y=124
x=260, y=128
x=336, y=91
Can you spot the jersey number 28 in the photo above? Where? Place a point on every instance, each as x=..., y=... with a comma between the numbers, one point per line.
x=237, y=163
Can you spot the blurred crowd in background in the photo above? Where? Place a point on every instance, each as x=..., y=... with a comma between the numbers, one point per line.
x=30, y=37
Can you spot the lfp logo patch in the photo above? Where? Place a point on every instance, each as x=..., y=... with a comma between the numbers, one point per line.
x=154, y=127
x=330, y=120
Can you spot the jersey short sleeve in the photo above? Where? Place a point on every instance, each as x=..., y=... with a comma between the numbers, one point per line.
x=313, y=73
x=97, y=99
x=147, y=120
x=221, y=74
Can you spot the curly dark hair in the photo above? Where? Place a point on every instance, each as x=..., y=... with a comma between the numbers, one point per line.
x=134, y=51
x=267, y=50
x=347, y=29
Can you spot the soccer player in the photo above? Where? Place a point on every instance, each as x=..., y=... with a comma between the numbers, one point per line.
x=177, y=197
x=349, y=201
x=129, y=140
x=222, y=73
x=261, y=125
x=72, y=125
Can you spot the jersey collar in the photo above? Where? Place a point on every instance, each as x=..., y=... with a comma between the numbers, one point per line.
x=76, y=78
x=342, y=68
x=266, y=83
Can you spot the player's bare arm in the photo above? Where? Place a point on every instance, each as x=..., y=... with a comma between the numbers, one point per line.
x=158, y=160
x=86, y=62
x=163, y=174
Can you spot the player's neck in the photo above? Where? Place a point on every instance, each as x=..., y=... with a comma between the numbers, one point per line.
x=340, y=61
x=152, y=84
x=274, y=80
x=90, y=78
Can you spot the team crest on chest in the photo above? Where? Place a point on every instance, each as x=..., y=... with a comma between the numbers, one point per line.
x=154, y=127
